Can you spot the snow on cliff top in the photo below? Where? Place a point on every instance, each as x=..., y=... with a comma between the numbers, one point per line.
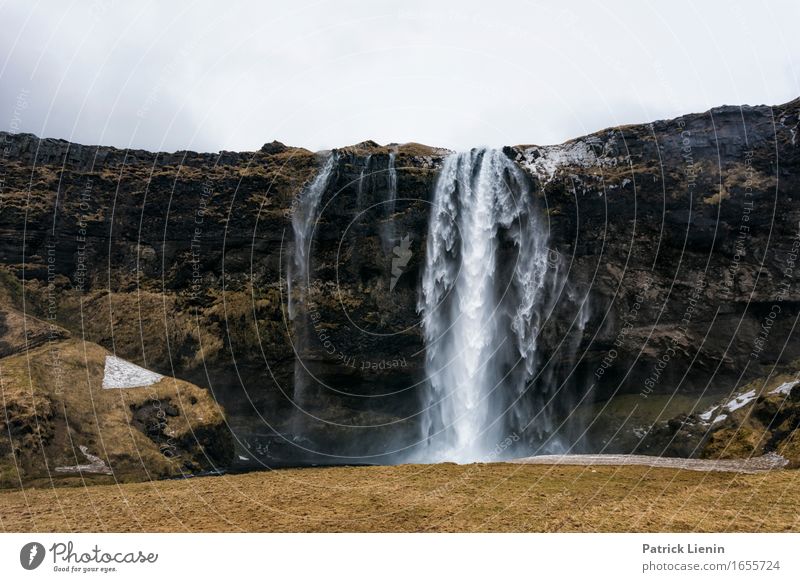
x=544, y=161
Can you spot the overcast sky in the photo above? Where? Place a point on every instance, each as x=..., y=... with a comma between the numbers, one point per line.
x=458, y=74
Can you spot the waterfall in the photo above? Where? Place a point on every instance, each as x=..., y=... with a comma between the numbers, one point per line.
x=392, y=183
x=304, y=218
x=483, y=301
x=362, y=182
x=388, y=234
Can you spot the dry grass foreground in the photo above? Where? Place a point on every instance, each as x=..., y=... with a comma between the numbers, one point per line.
x=422, y=498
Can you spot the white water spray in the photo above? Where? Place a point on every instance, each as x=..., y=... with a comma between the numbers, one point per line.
x=392, y=183
x=481, y=318
x=304, y=219
x=304, y=216
x=363, y=178
x=387, y=230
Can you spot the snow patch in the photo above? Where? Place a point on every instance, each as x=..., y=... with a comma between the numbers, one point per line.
x=785, y=388
x=720, y=418
x=544, y=161
x=95, y=465
x=120, y=373
x=741, y=400
x=706, y=416
x=242, y=458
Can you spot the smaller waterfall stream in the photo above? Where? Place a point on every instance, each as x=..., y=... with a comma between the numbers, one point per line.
x=392, y=183
x=388, y=234
x=304, y=218
x=364, y=179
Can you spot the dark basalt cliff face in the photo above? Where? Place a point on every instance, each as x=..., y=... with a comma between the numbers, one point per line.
x=681, y=235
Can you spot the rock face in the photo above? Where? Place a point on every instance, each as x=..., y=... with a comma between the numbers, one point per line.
x=687, y=233
x=762, y=417
x=678, y=240
x=61, y=425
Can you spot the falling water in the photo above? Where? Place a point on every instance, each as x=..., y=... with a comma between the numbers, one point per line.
x=482, y=309
x=363, y=178
x=392, y=183
x=304, y=219
x=387, y=230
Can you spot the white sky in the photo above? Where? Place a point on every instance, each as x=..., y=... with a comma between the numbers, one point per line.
x=320, y=74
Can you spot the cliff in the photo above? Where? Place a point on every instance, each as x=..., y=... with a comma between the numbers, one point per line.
x=675, y=243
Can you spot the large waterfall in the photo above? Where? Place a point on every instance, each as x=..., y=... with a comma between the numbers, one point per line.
x=483, y=299
x=487, y=289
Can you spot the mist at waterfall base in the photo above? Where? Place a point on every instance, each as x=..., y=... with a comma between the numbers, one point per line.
x=492, y=383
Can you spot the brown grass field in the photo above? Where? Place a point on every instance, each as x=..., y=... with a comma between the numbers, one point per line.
x=422, y=498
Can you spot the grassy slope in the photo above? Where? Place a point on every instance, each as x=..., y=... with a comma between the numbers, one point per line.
x=494, y=497
x=53, y=402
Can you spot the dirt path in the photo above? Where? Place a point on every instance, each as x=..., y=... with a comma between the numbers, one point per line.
x=753, y=465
